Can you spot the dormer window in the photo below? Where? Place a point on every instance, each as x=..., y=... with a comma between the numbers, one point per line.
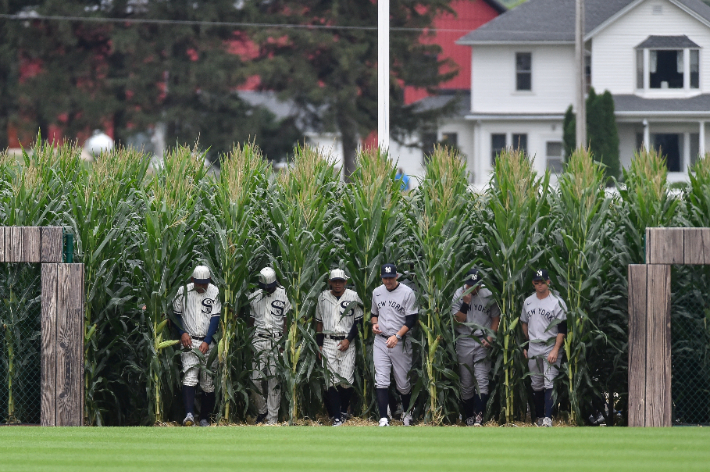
x=667, y=62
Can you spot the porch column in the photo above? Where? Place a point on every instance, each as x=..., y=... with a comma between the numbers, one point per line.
x=646, y=135
x=701, y=147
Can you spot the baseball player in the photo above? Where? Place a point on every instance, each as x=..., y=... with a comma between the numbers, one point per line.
x=394, y=314
x=269, y=307
x=197, y=315
x=338, y=318
x=544, y=324
x=475, y=313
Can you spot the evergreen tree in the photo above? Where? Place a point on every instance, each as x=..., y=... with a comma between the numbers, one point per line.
x=331, y=74
x=569, y=132
x=610, y=152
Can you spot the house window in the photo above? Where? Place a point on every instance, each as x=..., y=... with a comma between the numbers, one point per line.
x=497, y=145
x=520, y=142
x=450, y=139
x=694, y=68
x=666, y=69
x=523, y=71
x=554, y=156
x=668, y=62
x=428, y=144
x=639, y=68
x=670, y=146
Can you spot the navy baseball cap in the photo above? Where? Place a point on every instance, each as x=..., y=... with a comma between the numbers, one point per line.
x=388, y=271
x=473, y=277
x=541, y=274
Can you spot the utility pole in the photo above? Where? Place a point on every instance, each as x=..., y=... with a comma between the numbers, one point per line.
x=581, y=86
x=383, y=74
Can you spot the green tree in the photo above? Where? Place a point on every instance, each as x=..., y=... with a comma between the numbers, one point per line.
x=569, y=132
x=331, y=73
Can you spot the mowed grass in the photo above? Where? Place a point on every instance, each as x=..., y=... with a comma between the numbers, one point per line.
x=347, y=449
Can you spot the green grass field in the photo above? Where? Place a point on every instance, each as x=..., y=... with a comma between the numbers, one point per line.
x=346, y=449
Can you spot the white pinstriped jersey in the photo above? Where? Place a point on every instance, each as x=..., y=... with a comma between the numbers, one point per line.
x=334, y=313
x=269, y=310
x=198, y=310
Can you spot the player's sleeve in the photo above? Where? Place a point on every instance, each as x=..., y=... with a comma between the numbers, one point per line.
x=524, y=315
x=358, y=308
x=374, y=310
x=411, y=304
x=216, y=306
x=495, y=310
x=287, y=305
x=253, y=300
x=456, y=305
x=319, y=315
x=177, y=302
x=561, y=310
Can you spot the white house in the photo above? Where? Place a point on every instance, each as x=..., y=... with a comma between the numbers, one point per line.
x=652, y=55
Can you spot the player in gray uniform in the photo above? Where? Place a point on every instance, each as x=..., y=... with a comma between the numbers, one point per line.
x=394, y=314
x=269, y=307
x=198, y=320
x=479, y=313
x=338, y=318
x=540, y=311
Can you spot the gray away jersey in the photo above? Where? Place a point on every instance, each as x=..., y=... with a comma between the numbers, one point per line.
x=332, y=312
x=269, y=311
x=483, y=310
x=538, y=314
x=392, y=308
x=198, y=310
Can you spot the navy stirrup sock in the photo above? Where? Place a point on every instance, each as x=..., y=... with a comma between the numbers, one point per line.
x=188, y=398
x=208, y=401
x=548, y=403
x=334, y=402
x=345, y=394
x=382, y=401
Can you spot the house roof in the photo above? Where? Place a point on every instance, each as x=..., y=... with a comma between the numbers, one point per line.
x=633, y=104
x=462, y=106
x=497, y=6
x=667, y=42
x=552, y=21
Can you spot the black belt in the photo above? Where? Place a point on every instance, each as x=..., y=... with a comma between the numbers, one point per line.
x=269, y=336
x=199, y=338
x=335, y=338
x=387, y=337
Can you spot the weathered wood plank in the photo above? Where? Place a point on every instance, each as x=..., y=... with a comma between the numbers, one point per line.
x=70, y=334
x=52, y=243
x=696, y=246
x=31, y=243
x=637, y=344
x=2, y=243
x=49, y=341
x=658, y=353
x=13, y=244
x=664, y=245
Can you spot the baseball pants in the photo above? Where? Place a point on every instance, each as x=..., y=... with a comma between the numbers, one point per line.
x=195, y=369
x=397, y=359
x=474, y=367
x=264, y=370
x=341, y=364
x=542, y=373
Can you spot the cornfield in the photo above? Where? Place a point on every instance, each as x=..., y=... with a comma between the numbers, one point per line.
x=140, y=230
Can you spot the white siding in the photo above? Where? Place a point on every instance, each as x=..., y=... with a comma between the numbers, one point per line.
x=614, y=53
x=493, y=80
x=464, y=131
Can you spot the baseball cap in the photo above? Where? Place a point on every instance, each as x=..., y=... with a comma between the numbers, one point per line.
x=388, y=271
x=338, y=274
x=267, y=277
x=201, y=275
x=473, y=277
x=541, y=274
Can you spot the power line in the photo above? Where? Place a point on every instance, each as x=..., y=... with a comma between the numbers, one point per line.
x=97, y=19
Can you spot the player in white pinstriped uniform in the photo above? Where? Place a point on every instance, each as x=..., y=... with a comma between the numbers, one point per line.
x=269, y=307
x=338, y=316
x=198, y=320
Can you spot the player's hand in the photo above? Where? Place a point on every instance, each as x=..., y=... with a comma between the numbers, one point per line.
x=467, y=297
x=376, y=328
x=525, y=353
x=344, y=345
x=392, y=341
x=204, y=347
x=487, y=341
x=552, y=356
x=186, y=340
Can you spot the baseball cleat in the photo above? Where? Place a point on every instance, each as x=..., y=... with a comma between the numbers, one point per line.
x=260, y=418
x=272, y=421
x=384, y=422
x=547, y=422
x=337, y=422
x=470, y=421
x=538, y=422
x=478, y=420
x=204, y=423
x=345, y=416
x=189, y=420
x=408, y=420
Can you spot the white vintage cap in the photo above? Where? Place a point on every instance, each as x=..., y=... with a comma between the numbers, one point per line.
x=201, y=274
x=338, y=274
x=267, y=277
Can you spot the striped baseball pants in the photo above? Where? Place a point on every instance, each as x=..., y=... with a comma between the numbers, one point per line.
x=340, y=364
x=264, y=371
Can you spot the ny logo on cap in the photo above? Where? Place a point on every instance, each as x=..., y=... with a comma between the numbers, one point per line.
x=475, y=277
x=539, y=273
x=388, y=270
